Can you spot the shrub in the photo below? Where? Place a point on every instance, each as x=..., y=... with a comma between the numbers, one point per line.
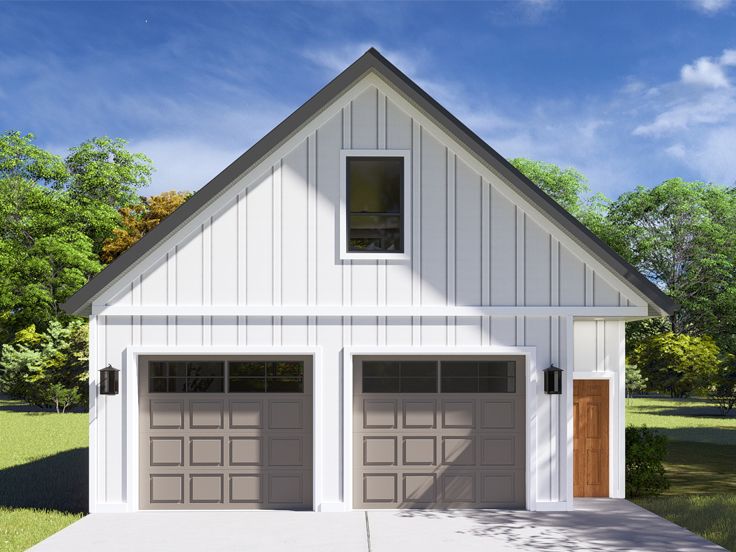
x=645, y=451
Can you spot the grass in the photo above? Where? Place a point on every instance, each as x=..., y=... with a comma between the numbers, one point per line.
x=43, y=473
x=700, y=465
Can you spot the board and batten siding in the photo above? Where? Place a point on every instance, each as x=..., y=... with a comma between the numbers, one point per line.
x=272, y=240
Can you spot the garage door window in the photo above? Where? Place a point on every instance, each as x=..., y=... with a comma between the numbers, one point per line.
x=187, y=377
x=468, y=376
x=400, y=376
x=266, y=377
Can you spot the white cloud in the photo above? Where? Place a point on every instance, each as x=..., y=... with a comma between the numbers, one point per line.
x=710, y=154
x=728, y=58
x=711, y=7
x=704, y=72
x=708, y=109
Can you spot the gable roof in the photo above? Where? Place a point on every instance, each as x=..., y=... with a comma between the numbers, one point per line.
x=372, y=60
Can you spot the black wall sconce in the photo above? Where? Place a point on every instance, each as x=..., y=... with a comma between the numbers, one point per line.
x=109, y=380
x=553, y=380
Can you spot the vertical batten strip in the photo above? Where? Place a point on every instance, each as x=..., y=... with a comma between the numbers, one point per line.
x=242, y=264
x=416, y=223
x=312, y=234
x=277, y=246
x=347, y=322
x=589, y=289
x=554, y=272
x=451, y=229
x=485, y=255
x=207, y=279
x=381, y=139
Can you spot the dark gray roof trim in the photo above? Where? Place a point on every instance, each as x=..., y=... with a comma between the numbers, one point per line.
x=80, y=302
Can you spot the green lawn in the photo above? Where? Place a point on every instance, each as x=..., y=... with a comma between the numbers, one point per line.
x=43, y=473
x=700, y=465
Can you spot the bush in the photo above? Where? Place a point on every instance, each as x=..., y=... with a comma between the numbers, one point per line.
x=645, y=451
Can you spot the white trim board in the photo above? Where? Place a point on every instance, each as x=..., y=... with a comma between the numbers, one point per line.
x=130, y=382
x=580, y=312
x=532, y=382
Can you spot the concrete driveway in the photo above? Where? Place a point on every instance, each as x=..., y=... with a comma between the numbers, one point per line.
x=595, y=525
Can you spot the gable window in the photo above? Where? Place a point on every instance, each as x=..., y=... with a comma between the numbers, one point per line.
x=375, y=204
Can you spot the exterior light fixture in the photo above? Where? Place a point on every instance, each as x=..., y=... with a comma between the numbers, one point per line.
x=109, y=378
x=553, y=380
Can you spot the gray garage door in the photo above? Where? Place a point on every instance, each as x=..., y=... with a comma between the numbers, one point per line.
x=441, y=432
x=226, y=433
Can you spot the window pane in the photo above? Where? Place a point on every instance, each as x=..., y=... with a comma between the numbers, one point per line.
x=284, y=385
x=157, y=369
x=375, y=233
x=374, y=184
x=380, y=369
x=177, y=369
x=419, y=369
x=252, y=369
x=205, y=385
x=247, y=385
x=285, y=368
x=459, y=385
x=215, y=369
x=381, y=385
x=496, y=385
x=418, y=385
x=177, y=385
x=459, y=369
x=158, y=385
x=496, y=369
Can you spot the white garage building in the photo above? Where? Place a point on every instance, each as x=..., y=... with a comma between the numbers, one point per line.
x=358, y=313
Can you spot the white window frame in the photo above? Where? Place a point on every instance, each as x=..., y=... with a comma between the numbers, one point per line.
x=343, y=252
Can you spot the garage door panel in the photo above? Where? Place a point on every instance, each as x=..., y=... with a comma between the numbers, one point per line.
x=206, y=451
x=498, y=414
x=166, y=414
x=419, y=414
x=419, y=451
x=225, y=450
x=206, y=488
x=419, y=488
x=166, y=488
x=498, y=451
x=166, y=451
x=246, y=451
x=458, y=414
x=206, y=414
x=455, y=449
x=379, y=414
x=379, y=451
x=246, y=414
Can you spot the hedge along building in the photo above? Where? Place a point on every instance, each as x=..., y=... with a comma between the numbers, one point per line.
x=358, y=313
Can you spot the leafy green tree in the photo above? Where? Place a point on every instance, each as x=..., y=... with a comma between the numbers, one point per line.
x=40, y=366
x=722, y=388
x=634, y=380
x=566, y=186
x=681, y=235
x=679, y=364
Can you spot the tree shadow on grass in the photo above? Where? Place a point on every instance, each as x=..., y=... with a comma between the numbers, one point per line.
x=57, y=482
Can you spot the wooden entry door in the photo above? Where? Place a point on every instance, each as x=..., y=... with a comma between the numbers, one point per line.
x=590, y=399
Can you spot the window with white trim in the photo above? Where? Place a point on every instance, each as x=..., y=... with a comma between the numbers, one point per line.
x=375, y=204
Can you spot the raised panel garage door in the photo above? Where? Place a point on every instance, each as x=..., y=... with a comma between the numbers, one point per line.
x=441, y=432
x=226, y=433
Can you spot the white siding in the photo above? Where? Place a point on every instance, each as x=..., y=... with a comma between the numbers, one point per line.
x=272, y=241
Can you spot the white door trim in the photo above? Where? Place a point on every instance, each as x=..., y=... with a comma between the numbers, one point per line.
x=616, y=427
x=129, y=390
x=533, y=382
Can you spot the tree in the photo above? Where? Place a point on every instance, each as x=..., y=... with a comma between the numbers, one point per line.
x=634, y=380
x=140, y=219
x=56, y=214
x=49, y=367
x=565, y=186
x=722, y=389
x=678, y=363
x=681, y=235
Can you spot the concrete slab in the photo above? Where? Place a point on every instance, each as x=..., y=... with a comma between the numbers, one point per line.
x=225, y=531
x=605, y=524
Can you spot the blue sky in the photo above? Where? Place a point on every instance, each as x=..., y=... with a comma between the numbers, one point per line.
x=628, y=93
